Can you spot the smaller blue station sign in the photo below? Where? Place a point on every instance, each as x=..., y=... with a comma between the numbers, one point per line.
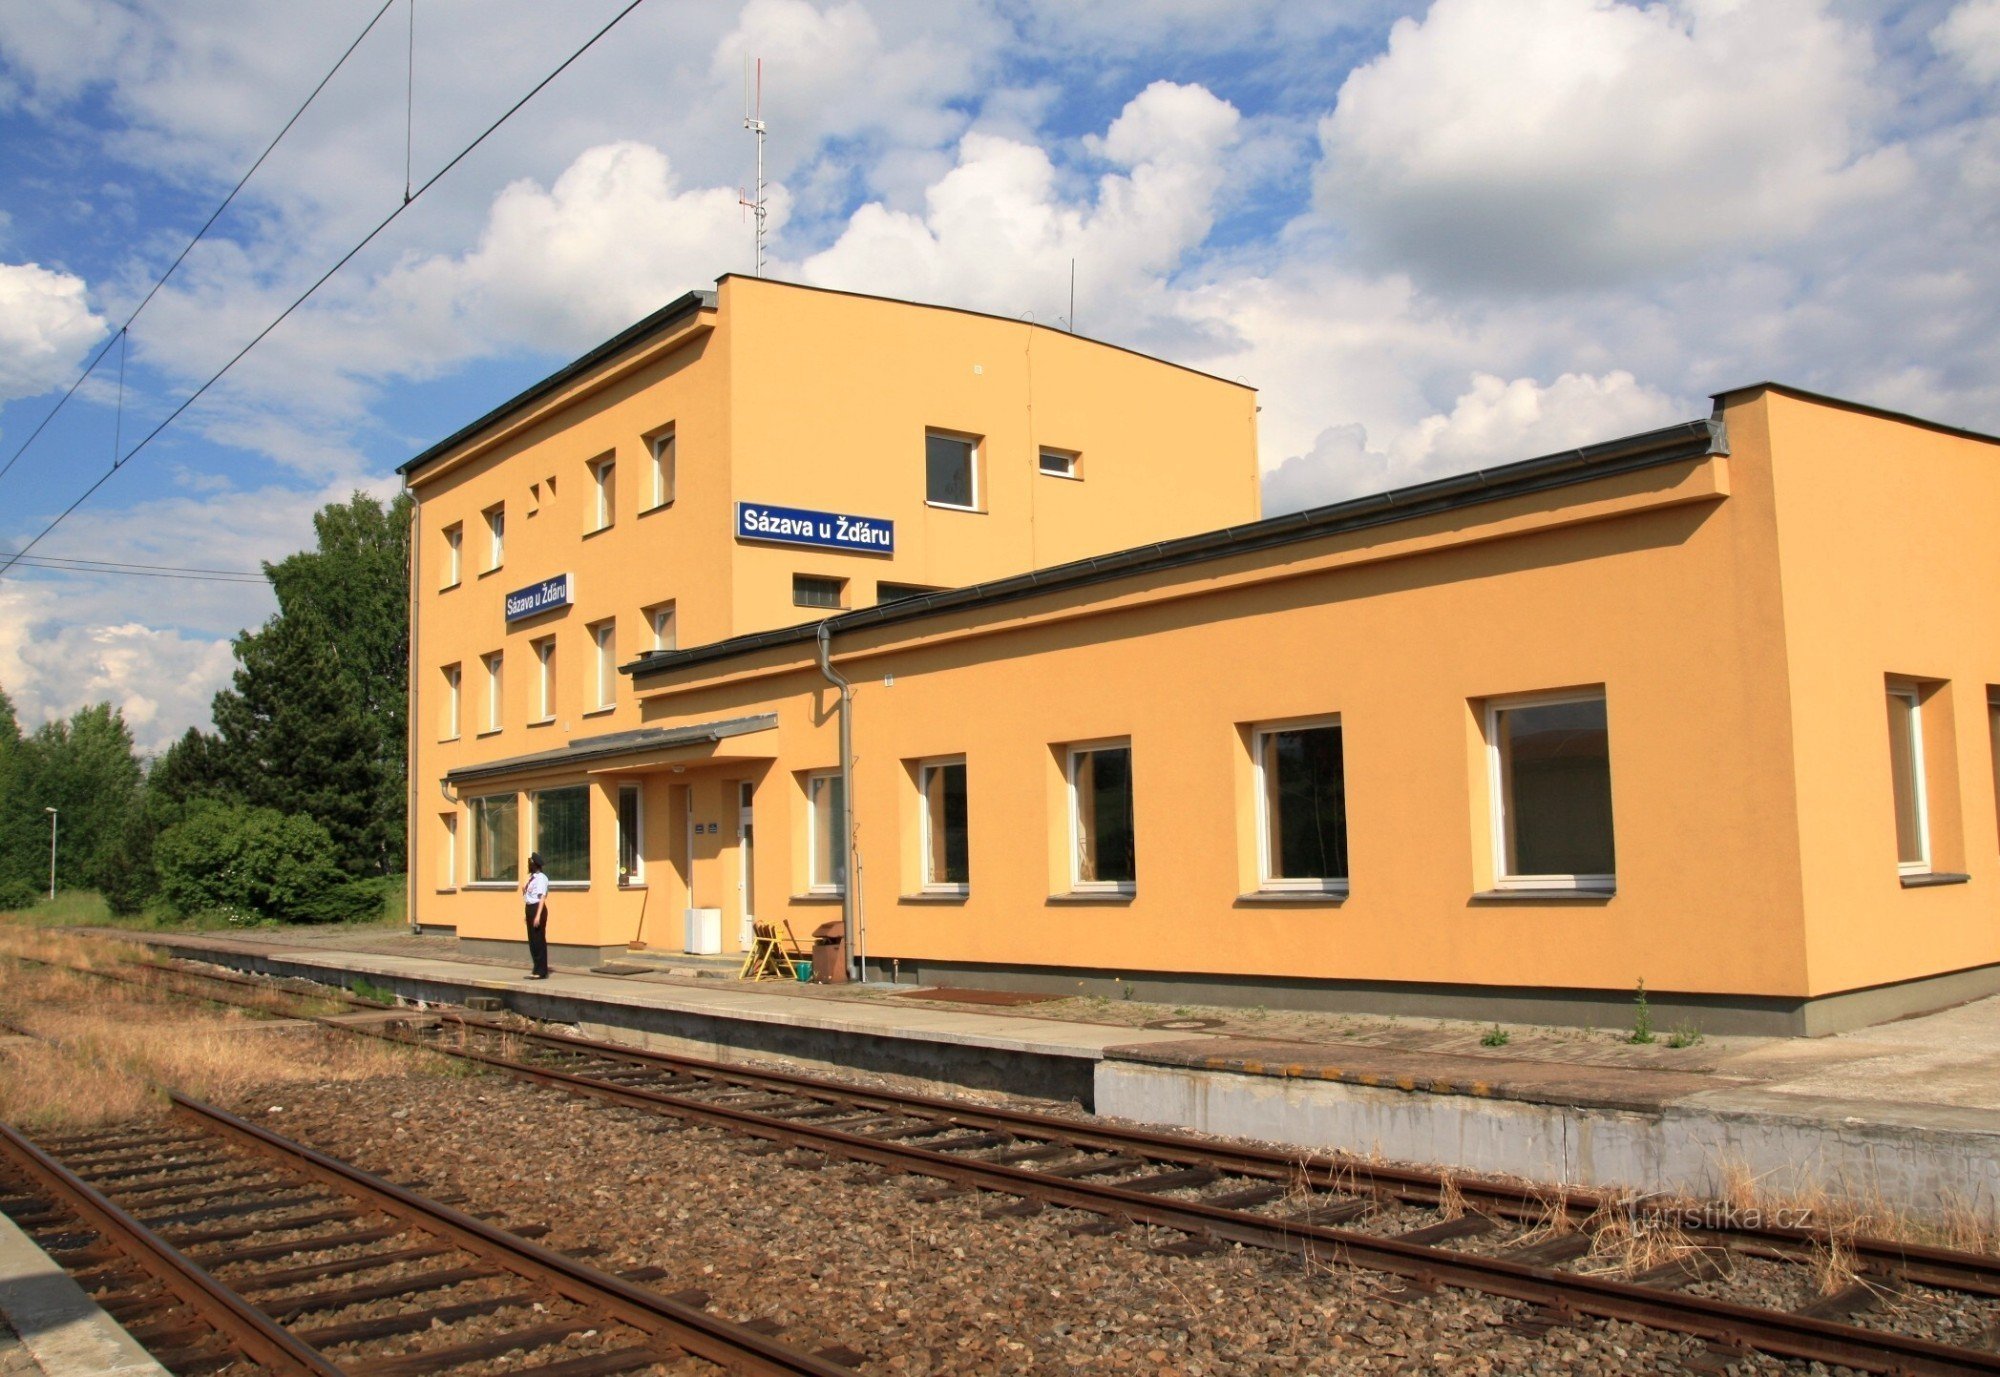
x=537, y=598
x=829, y=530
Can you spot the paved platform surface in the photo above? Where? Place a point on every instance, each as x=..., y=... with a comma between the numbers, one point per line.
x=50, y=1328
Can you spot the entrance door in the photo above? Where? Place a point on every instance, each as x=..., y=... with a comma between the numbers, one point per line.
x=746, y=879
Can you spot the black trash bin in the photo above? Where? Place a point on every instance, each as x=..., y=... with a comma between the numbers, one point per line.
x=830, y=953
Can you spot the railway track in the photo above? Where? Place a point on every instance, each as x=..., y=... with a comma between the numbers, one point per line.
x=1544, y=1249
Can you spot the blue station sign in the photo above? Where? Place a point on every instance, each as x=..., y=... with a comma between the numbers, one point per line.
x=538, y=598
x=829, y=530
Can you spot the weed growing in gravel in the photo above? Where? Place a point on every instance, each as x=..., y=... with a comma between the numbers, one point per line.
x=1451, y=1200
x=1642, y=1017
x=1496, y=1036
x=1684, y=1034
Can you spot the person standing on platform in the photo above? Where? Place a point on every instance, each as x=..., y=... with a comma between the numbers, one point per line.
x=536, y=895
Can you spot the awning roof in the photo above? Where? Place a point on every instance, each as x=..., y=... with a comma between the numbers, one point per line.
x=589, y=749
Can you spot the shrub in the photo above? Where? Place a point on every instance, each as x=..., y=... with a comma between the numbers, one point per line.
x=17, y=893
x=256, y=861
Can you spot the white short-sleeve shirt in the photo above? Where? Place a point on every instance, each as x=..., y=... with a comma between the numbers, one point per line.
x=537, y=888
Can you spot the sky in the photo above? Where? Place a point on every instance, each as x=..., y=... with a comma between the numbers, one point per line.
x=1436, y=236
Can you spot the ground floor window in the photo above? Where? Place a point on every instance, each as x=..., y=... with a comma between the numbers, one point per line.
x=947, y=866
x=631, y=825
x=562, y=833
x=1906, y=777
x=827, y=832
x=496, y=839
x=1103, y=852
x=1302, y=792
x=1551, y=761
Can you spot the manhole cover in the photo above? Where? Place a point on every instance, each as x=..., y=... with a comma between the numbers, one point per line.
x=1185, y=1025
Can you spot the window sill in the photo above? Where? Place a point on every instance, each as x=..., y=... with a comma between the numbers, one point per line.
x=599, y=530
x=954, y=507
x=936, y=896
x=509, y=885
x=1294, y=896
x=631, y=884
x=1550, y=895
x=488, y=573
x=446, y=889
x=599, y=712
x=1930, y=878
x=490, y=731
x=820, y=897
x=656, y=507
x=1095, y=896
x=446, y=740
x=447, y=587
x=543, y=722
x=1066, y=477
x=568, y=884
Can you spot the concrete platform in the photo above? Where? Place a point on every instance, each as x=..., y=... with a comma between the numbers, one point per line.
x=1904, y=1115
x=60, y=1331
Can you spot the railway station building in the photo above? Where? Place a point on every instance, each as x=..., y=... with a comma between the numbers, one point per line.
x=1715, y=707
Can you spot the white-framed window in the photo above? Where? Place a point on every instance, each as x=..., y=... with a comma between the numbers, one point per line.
x=1906, y=777
x=454, y=555
x=604, y=492
x=631, y=834
x=896, y=592
x=496, y=839
x=448, y=852
x=604, y=641
x=562, y=833
x=448, y=708
x=494, y=704
x=1301, y=806
x=826, y=833
x=1103, y=841
x=661, y=451
x=1550, y=775
x=496, y=535
x=951, y=470
x=1060, y=463
x=942, y=831
x=660, y=621
x=545, y=676
x=817, y=590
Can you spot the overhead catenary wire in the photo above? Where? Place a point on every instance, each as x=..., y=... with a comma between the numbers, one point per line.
x=319, y=282
x=33, y=562
x=206, y=225
x=127, y=564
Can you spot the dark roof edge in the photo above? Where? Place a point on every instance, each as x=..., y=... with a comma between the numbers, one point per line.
x=621, y=743
x=670, y=314
x=994, y=315
x=1847, y=404
x=1671, y=444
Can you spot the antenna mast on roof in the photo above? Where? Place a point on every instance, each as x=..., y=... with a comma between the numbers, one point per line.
x=753, y=120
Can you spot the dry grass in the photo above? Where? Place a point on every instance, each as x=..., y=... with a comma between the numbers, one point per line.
x=1848, y=1210
x=105, y=1044
x=1450, y=1200
x=1627, y=1237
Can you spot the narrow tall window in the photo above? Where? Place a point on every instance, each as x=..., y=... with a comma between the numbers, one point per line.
x=545, y=670
x=493, y=703
x=1551, y=763
x=448, y=710
x=454, y=554
x=562, y=833
x=947, y=867
x=1104, y=850
x=826, y=833
x=662, y=446
x=604, y=493
x=1302, y=798
x=604, y=635
x=951, y=470
x=1993, y=739
x=496, y=536
x=496, y=839
x=1906, y=777
x=631, y=828
x=660, y=621
x=448, y=851
x=812, y=590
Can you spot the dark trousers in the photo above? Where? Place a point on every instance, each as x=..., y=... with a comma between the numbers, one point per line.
x=538, y=939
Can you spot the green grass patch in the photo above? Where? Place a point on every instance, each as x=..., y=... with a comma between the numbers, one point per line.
x=87, y=908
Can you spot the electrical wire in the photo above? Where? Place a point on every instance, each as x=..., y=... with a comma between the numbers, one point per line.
x=34, y=563
x=207, y=225
x=319, y=282
x=115, y=565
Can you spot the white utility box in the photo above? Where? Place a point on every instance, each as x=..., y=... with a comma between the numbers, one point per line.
x=704, y=932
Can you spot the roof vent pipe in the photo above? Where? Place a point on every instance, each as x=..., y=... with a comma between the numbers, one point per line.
x=850, y=913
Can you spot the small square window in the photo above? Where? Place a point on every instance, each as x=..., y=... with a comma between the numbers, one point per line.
x=1103, y=849
x=813, y=590
x=661, y=450
x=826, y=832
x=896, y=592
x=947, y=864
x=951, y=470
x=1061, y=463
x=454, y=554
x=1302, y=807
x=1551, y=779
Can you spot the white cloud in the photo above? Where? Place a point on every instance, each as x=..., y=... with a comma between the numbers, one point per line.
x=45, y=325
x=1495, y=422
x=1549, y=143
x=1971, y=33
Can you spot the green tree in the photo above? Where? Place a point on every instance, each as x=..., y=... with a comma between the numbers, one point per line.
x=85, y=768
x=315, y=722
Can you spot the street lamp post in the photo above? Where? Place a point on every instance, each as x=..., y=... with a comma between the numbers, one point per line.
x=52, y=853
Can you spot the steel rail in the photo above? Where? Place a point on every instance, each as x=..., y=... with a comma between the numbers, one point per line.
x=238, y=1322
x=724, y=1342
x=1428, y=1267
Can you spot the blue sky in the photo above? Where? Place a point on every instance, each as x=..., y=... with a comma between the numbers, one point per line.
x=1435, y=235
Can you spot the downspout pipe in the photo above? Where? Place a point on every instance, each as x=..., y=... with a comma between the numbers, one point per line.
x=850, y=911
x=412, y=827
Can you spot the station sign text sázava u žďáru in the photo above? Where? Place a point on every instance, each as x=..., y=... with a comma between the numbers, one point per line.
x=537, y=598
x=828, y=530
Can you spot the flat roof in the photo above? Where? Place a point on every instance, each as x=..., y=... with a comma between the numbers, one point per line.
x=1670, y=444
x=615, y=744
